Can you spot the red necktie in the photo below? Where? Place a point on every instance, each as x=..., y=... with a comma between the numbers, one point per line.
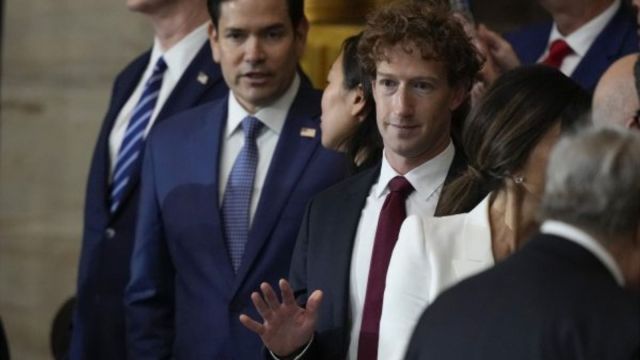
x=391, y=216
x=558, y=50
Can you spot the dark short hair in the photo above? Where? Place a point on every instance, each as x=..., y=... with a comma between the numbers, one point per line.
x=505, y=127
x=430, y=27
x=296, y=11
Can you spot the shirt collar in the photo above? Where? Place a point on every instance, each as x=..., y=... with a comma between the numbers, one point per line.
x=583, y=239
x=426, y=179
x=580, y=40
x=180, y=55
x=272, y=116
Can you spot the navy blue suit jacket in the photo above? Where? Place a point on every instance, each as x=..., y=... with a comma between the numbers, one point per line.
x=551, y=300
x=184, y=298
x=99, y=326
x=618, y=38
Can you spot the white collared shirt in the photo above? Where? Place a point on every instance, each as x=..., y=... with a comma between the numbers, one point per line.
x=581, y=40
x=427, y=180
x=273, y=117
x=177, y=58
x=583, y=239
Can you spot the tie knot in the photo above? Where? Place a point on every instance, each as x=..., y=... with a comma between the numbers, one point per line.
x=558, y=50
x=251, y=125
x=160, y=67
x=401, y=185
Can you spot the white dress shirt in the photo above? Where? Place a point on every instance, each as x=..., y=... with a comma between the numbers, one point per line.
x=177, y=58
x=583, y=239
x=273, y=118
x=580, y=40
x=427, y=180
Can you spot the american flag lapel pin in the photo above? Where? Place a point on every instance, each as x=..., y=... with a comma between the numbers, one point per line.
x=203, y=78
x=308, y=132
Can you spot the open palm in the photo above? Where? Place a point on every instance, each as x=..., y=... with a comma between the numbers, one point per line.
x=286, y=326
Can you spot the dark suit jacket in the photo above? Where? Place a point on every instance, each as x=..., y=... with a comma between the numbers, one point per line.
x=99, y=326
x=183, y=293
x=322, y=257
x=551, y=300
x=617, y=39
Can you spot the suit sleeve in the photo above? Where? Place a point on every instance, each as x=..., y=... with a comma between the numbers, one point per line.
x=149, y=297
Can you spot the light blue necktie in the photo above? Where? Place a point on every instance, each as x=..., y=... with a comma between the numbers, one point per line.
x=237, y=195
x=133, y=141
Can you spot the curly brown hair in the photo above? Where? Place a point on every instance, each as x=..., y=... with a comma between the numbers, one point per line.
x=427, y=25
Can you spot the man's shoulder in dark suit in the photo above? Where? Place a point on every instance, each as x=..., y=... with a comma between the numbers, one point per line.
x=553, y=299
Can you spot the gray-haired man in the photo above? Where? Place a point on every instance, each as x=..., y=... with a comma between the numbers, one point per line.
x=563, y=295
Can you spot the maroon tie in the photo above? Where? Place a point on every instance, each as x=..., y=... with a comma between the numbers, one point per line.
x=558, y=50
x=391, y=216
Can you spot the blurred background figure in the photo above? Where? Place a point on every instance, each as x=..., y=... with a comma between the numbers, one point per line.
x=583, y=39
x=348, y=110
x=507, y=140
x=563, y=295
x=616, y=99
x=176, y=74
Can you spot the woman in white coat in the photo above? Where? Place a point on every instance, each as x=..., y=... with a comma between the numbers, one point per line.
x=507, y=139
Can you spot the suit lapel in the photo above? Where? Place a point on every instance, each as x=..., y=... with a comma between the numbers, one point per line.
x=605, y=49
x=121, y=93
x=288, y=164
x=185, y=95
x=477, y=253
x=204, y=164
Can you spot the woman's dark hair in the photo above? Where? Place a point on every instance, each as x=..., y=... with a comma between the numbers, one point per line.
x=502, y=131
x=365, y=145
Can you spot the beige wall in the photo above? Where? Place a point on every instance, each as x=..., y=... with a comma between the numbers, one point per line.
x=59, y=60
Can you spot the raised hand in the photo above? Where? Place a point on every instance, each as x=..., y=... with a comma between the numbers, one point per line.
x=286, y=327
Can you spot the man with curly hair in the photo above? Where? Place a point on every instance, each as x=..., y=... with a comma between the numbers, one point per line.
x=422, y=65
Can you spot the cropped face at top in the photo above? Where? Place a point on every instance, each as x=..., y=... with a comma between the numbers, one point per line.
x=258, y=49
x=414, y=101
x=339, y=109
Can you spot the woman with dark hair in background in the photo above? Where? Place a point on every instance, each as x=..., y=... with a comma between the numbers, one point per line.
x=507, y=140
x=348, y=111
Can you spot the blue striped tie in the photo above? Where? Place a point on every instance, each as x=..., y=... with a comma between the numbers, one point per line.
x=133, y=141
x=237, y=195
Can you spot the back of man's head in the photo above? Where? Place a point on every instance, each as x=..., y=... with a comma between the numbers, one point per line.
x=296, y=10
x=593, y=183
x=615, y=100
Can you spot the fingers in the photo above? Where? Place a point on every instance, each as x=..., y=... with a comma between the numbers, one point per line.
x=263, y=309
x=251, y=324
x=313, y=302
x=270, y=296
x=287, y=293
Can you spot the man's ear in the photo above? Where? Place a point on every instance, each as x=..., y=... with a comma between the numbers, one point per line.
x=301, y=32
x=358, y=103
x=459, y=94
x=633, y=123
x=214, y=42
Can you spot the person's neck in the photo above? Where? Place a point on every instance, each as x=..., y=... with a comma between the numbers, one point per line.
x=403, y=164
x=512, y=217
x=174, y=23
x=570, y=19
x=626, y=254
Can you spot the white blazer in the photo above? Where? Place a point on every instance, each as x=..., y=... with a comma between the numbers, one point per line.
x=431, y=255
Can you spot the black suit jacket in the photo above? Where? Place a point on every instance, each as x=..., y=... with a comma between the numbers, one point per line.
x=107, y=242
x=322, y=257
x=551, y=300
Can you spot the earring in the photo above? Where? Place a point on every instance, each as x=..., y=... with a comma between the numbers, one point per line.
x=518, y=179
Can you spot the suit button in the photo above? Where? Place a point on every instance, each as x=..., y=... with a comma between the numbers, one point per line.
x=110, y=233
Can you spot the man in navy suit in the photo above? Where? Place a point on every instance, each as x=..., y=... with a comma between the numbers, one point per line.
x=583, y=40
x=568, y=294
x=190, y=78
x=199, y=250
